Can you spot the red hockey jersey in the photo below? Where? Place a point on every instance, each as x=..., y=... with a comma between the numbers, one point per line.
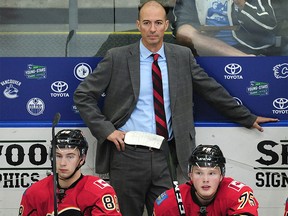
x=89, y=196
x=232, y=198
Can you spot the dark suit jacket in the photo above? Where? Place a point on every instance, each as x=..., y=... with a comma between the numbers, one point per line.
x=118, y=75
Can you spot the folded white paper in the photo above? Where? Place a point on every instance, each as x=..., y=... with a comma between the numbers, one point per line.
x=143, y=139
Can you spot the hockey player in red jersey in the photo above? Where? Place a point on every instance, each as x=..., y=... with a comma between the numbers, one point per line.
x=77, y=194
x=209, y=192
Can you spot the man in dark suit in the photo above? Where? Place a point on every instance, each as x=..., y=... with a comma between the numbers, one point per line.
x=137, y=173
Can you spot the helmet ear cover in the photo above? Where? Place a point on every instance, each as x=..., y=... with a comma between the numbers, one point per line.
x=207, y=156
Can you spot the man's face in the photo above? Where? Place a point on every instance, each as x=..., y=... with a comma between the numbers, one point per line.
x=67, y=159
x=152, y=24
x=206, y=181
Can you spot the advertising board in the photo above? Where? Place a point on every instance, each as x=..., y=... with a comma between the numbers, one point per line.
x=34, y=89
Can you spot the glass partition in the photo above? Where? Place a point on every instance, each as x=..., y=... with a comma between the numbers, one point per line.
x=254, y=27
x=72, y=28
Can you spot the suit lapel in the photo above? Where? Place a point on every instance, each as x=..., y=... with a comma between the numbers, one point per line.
x=172, y=73
x=134, y=68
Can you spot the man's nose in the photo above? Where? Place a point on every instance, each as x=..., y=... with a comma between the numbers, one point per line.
x=153, y=27
x=205, y=178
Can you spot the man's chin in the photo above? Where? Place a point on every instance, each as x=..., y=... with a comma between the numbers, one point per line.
x=154, y=42
x=63, y=176
x=206, y=196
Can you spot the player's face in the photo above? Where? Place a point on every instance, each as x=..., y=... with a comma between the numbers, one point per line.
x=206, y=181
x=67, y=159
x=152, y=24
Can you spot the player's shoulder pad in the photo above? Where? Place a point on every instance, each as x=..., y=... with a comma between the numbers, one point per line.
x=96, y=183
x=236, y=186
x=40, y=187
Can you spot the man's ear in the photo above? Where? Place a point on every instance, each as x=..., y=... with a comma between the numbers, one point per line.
x=166, y=25
x=82, y=160
x=138, y=24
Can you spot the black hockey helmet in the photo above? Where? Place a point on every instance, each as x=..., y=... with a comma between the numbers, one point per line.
x=71, y=138
x=207, y=156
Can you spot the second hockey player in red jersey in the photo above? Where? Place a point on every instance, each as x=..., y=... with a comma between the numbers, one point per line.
x=209, y=193
x=77, y=194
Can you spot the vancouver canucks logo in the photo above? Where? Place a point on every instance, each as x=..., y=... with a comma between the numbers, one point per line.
x=11, y=91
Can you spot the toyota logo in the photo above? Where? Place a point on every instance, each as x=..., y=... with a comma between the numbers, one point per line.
x=59, y=86
x=233, y=69
x=280, y=103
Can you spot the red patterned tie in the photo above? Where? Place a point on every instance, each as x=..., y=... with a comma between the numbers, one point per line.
x=161, y=126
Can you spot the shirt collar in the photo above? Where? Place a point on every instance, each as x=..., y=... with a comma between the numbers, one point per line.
x=145, y=53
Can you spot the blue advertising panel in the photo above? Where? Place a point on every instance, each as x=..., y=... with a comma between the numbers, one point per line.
x=259, y=83
x=34, y=89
